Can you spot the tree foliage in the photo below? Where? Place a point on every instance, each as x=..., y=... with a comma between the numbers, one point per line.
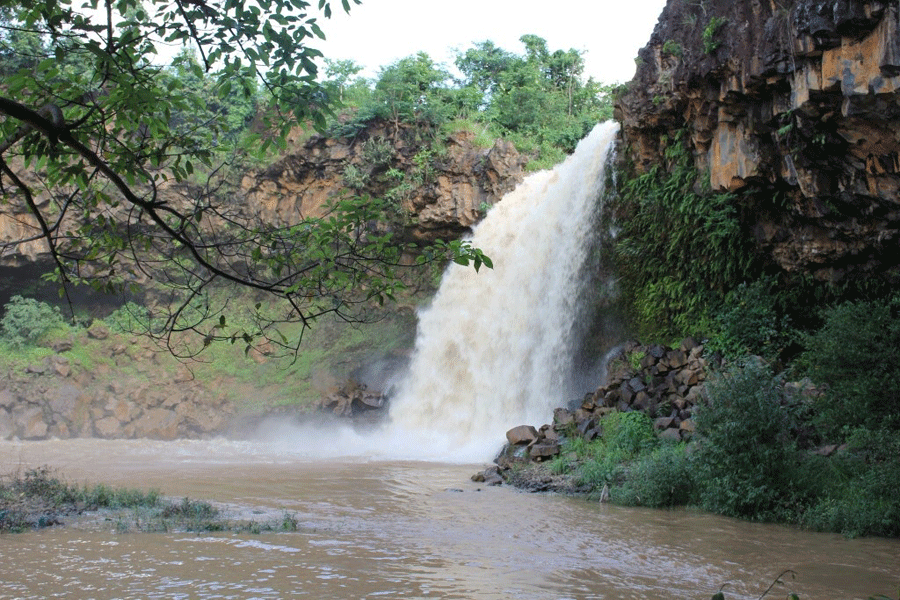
x=855, y=355
x=101, y=149
x=539, y=100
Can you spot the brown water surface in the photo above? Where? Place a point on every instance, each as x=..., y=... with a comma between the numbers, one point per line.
x=393, y=529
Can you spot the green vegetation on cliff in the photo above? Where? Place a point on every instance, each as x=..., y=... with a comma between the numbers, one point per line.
x=540, y=101
x=681, y=249
x=689, y=265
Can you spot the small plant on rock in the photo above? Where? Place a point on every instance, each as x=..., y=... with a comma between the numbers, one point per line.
x=710, y=43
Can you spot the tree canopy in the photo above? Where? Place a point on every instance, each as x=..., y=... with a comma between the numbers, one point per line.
x=540, y=100
x=101, y=144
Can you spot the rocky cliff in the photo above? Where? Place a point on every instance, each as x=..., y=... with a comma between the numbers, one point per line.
x=794, y=102
x=439, y=189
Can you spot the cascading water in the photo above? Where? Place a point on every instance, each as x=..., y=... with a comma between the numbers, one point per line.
x=495, y=347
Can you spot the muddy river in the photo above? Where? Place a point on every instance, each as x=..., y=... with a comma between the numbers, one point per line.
x=371, y=528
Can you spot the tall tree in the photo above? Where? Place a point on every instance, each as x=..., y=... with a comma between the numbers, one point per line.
x=410, y=89
x=89, y=151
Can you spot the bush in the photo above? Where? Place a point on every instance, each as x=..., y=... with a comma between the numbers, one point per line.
x=858, y=488
x=662, y=478
x=855, y=355
x=129, y=318
x=749, y=323
x=625, y=436
x=629, y=433
x=744, y=456
x=26, y=320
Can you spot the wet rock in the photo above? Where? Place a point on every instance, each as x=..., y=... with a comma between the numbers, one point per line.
x=523, y=434
x=663, y=423
x=32, y=423
x=543, y=451
x=37, y=369
x=60, y=365
x=7, y=399
x=562, y=418
x=62, y=346
x=108, y=427
x=7, y=425
x=490, y=476
x=158, y=423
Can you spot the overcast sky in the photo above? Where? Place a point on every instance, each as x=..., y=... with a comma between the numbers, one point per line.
x=379, y=32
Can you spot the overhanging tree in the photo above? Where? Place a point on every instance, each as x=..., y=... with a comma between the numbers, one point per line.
x=97, y=167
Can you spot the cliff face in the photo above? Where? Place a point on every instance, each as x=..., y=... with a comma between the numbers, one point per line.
x=794, y=101
x=439, y=194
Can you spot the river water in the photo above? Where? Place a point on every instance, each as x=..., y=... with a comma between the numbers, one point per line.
x=402, y=529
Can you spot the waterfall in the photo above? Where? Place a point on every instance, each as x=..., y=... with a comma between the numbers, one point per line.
x=494, y=349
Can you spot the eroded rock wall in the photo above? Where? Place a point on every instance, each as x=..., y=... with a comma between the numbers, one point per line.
x=446, y=192
x=447, y=185
x=792, y=102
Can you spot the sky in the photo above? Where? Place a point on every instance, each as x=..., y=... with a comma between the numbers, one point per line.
x=380, y=32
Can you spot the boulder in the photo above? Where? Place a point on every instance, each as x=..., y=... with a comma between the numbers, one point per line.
x=563, y=418
x=671, y=435
x=543, y=451
x=523, y=434
x=98, y=331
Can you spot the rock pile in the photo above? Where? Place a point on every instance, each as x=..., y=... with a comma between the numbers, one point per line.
x=663, y=382
x=354, y=399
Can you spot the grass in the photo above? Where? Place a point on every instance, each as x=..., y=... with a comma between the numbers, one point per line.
x=485, y=137
x=38, y=498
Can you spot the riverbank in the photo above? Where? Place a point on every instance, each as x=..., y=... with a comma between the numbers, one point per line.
x=741, y=440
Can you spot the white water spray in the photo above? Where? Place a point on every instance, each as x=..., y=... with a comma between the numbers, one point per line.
x=495, y=347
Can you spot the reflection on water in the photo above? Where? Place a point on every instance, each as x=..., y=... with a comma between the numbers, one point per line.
x=391, y=529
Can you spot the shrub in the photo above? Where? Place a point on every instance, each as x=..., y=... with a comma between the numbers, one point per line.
x=355, y=177
x=710, y=43
x=858, y=495
x=744, y=455
x=749, y=322
x=629, y=433
x=673, y=48
x=625, y=436
x=661, y=478
x=26, y=320
x=129, y=318
x=377, y=152
x=855, y=355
